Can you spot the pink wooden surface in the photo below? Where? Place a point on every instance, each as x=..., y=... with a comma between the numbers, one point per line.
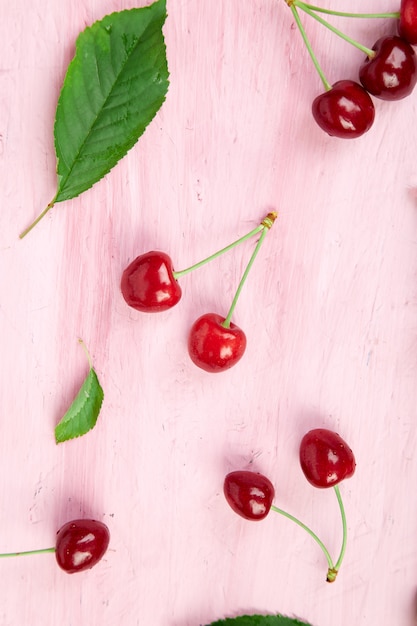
x=329, y=311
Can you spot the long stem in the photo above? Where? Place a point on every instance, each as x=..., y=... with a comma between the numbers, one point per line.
x=343, y=514
x=43, y=550
x=266, y=225
x=316, y=64
x=370, y=53
x=310, y=532
x=38, y=219
x=302, y=5
x=253, y=232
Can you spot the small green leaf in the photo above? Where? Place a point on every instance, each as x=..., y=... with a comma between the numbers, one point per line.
x=84, y=411
x=260, y=620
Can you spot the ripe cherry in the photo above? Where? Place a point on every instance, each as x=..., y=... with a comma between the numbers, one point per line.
x=392, y=73
x=249, y=494
x=345, y=111
x=407, y=24
x=80, y=544
x=148, y=283
x=325, y=458
x=213, y=346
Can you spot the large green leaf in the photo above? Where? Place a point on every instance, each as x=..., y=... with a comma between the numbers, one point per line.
x=260, y=620
x=114, y=86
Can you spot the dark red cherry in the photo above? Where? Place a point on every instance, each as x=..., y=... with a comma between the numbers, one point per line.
x=345, y=111
x=149, y=285
x=407, y=24
x=392, y=73
x=249, y=494
x=325, y=458
x=213, y=347
x=80, y=544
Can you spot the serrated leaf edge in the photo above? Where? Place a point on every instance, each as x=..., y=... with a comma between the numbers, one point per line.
x=131, y=140
x=69, y=417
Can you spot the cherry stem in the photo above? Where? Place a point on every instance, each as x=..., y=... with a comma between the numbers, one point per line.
x=310, y=532
x=43, y=550
x=301, y=4
x=303, y=33
x=343, y=514
x=38, y=219
x=266, y=225
x=305, y=7
x=252, y=233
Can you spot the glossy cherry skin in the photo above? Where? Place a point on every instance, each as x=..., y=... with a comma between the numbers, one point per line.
x=213, y=347
x=149, y=285
x=345, y=111
x=80, y=544
x=249, y=494
x=392, y=73
x=325, y=458
x=407, y=24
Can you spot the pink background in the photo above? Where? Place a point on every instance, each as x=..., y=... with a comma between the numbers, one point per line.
x=329, y=310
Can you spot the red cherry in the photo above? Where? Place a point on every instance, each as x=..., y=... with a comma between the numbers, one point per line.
x=80, y=544
x=149, y=285
x=213, y=347
x=345, y=111
x=250, y=495
x=392, y=73
x=325, y=458
x=407, y=24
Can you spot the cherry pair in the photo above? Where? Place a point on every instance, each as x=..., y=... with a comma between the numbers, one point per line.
x=80, y=544
x=389, y=72
x=325, y=460
x=150, y=284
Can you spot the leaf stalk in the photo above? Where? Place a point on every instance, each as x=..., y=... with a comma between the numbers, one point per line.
x=37, y=220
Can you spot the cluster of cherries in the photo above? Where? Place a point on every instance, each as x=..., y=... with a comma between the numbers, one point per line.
x=325, y=459
x=80, y=544
x=388, y=72
x=150, y=284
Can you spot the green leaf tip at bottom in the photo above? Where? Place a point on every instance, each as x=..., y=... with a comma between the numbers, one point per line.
x=83, y=413
x=113, y=88
x=260, y=620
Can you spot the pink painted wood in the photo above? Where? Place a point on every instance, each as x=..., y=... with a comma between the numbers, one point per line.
x=329, y=311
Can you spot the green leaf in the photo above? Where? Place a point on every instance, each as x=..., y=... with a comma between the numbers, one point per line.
x=260, y=620
x=114, y=86
x=83, y=413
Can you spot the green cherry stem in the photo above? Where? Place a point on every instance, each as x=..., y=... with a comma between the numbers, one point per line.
x=43, y=550
x=303, y=33
x=252, y=233
x=266, y=225
x=312, y=534
x=299, y=3
x=369, y=53
x=343, y=514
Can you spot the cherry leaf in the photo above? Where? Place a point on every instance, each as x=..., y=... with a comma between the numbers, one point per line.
x=83, y=413
x=260, y=620
x=113, y=88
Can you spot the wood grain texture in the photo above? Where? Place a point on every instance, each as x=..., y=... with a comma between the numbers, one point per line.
x=329, y=311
